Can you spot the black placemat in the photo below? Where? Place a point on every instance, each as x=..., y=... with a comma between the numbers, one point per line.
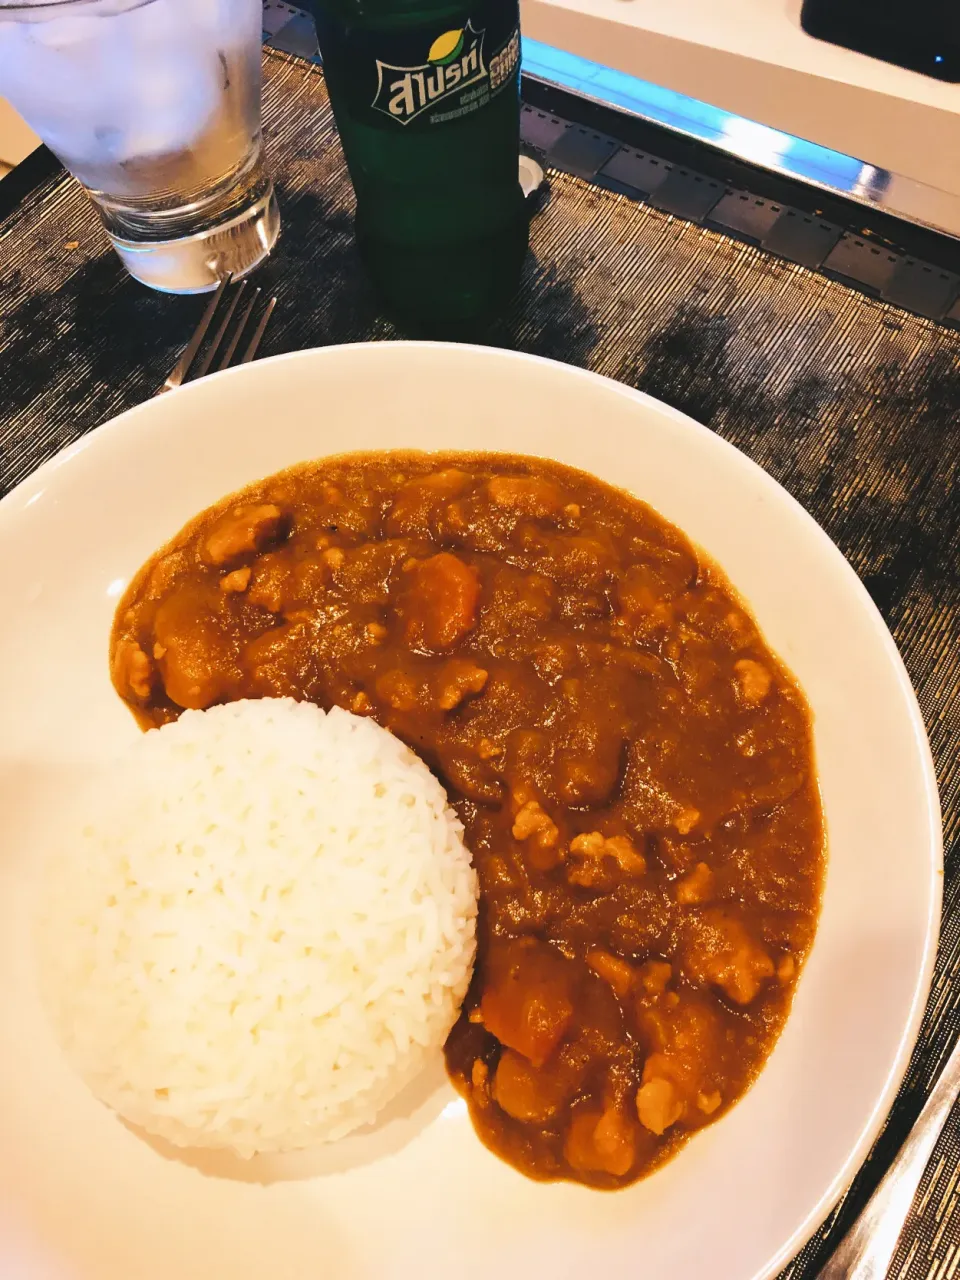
x=850, y=403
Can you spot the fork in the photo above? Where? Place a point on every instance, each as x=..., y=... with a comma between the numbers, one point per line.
x=866, y=1251
x=223, y=347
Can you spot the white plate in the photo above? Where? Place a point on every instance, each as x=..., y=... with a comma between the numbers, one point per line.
x=82, y=1197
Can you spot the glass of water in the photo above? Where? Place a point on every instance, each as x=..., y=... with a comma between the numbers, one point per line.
x=155, y=106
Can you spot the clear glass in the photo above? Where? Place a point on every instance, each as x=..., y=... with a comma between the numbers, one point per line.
x=155, y=106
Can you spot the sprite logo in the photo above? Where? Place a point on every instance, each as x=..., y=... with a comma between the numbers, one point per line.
x=454, y=62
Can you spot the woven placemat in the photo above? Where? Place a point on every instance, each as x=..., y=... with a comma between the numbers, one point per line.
x=850, y=403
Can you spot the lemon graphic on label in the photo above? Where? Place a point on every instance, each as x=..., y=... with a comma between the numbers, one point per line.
x=445, y=48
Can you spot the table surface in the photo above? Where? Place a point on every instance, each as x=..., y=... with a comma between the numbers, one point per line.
x=849, y=402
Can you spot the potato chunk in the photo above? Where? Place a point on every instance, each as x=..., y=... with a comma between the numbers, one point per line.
x=242, y=531
x=529, y=1093
x=198, y=665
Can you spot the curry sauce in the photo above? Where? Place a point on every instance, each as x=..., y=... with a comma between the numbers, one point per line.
x=632, y=765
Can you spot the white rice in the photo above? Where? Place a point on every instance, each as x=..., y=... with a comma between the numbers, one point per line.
x=267, y=931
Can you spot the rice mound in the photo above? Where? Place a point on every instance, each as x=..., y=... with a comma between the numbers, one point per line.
x=265, y=933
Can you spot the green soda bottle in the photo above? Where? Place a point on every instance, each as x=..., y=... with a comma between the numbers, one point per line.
x=426, y=99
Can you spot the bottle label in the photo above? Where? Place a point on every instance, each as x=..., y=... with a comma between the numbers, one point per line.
x=422, y=76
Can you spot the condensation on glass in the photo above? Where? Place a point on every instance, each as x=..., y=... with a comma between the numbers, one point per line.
x=154, y=105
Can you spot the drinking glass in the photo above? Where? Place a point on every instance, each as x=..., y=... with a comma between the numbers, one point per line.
x=155, y=106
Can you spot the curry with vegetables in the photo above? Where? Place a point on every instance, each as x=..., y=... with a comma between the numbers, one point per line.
x=632, y=765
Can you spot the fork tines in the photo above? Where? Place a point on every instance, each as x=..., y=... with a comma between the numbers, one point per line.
x=241, y=321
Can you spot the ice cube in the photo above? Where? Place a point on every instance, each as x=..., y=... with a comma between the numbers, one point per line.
x=159, y=25
x=62, y=33
x=209, y=15
x=167, y=105
x=51, y=90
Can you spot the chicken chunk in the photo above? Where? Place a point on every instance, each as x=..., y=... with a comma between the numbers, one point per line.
x=686, y=819
x=601, y=1142
x=654, y=976
x=236, y=582
x=615, y=972
x=532, y=822
x=526, y=495
x=419, y=499
x=682, y=1039
x=652, y=795
x=538, y=832
x=133, y=672
x=519, y=603
x=457, y=681
x=398, y=689
x=720, y=952
x=583, y=562
x=242, y=531
x=364, y=573
x=659, y=1104
x=439, y=606
x=644, y=602
x=271, y=587
x=753, y=681
x=697, y=887
x=292, y=660
x=588, y=765
x=590, y=852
